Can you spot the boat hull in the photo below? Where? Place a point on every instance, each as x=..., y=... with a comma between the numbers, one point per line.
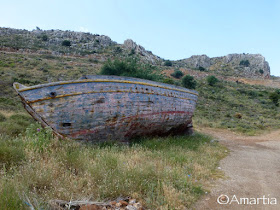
x=101, y=108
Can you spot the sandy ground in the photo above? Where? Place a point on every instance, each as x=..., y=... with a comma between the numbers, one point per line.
x=252, y=170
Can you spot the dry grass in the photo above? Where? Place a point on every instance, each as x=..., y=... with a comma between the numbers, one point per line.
x=7, y=113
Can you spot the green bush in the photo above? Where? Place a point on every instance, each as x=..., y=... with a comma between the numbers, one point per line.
x=261, y=71
x=245, y=63
x=177, y=74
x=168, y=81
x=66, y=43
x=201, y=68
x=168, y=63
x=44, y=37
x=212, y=80
x=189, y=82
x=132, y=52
x=130, y=68
x=274, y=97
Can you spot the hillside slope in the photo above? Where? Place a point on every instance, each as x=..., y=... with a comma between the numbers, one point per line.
x=58, y=42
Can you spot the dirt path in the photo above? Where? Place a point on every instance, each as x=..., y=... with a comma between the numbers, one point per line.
x=252, y=170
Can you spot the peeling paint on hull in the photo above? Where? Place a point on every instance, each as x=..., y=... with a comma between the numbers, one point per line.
x=100, y=108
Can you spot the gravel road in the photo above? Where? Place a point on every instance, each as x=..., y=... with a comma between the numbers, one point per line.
x=252, y=170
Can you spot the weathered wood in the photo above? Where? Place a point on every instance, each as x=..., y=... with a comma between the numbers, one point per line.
x=101, y=108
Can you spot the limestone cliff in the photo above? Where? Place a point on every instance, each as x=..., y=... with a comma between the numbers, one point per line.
x=243, y=65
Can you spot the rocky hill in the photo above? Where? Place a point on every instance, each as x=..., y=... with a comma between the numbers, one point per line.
x=58, y=42
x=243, y=65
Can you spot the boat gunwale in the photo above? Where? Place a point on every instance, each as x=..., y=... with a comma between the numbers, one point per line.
x=110, y=80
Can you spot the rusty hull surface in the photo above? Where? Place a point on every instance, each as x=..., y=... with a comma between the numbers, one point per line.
x=100, y=108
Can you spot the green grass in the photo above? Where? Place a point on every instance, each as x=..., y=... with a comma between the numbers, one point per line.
x=11, y=152
x=220, y=105
x=9, y=197
x=15, y=123
x=165, y=172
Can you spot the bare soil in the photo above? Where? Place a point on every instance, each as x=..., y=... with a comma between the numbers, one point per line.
x=252, y=170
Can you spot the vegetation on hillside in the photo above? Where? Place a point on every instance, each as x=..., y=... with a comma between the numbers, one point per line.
x=235, y=106
x=189, y=82
x=177, y=74
x=216, y=107
x=165, y=172
x=212, y=80
x=132, y=68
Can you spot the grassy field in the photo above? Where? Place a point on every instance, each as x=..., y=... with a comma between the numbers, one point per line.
x=239, y=107
x=168, y=173
x=35, y=167
x=165, y=172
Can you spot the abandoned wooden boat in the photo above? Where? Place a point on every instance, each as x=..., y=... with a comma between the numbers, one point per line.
x=100, y=108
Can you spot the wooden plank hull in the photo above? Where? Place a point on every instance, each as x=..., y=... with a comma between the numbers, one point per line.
x=101, y=108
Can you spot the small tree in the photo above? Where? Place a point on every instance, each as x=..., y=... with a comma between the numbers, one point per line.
x=261, y=71
x=212, y=80
x=168, y=63
x=189, y=82
x=66, y=43
x=177, y=74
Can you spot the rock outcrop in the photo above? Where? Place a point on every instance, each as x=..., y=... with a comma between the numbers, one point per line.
x=243, y=65
x=197, y=61
x=84, y=44
x=138, y=49
x=80, y=42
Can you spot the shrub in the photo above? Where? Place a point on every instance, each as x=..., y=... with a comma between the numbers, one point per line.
x=132, y=52
x=168, y=81
x=168, y=63
x=118, y=50
x=66, y=43
x=261, y=71
x=130, y=68
x=189, y=82
x=44, y=37
x=212, y=80
x=245, y=63
x=274, y=97
x=238, y=115
x=201, y=68
x=177, y=74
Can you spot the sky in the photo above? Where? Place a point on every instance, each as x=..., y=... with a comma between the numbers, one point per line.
x=173, y=29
